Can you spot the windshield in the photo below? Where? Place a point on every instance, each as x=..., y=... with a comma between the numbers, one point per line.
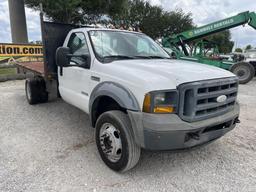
x=125, y=45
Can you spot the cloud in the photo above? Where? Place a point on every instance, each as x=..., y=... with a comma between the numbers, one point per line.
x=5, y=31
x=33, y=24
x=32, y=18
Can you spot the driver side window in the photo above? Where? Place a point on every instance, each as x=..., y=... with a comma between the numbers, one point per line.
x=78, y=46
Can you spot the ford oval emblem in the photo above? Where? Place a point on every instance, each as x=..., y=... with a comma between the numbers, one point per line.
x=221, y=98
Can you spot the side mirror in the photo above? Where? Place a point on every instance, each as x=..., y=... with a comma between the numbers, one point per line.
x=81, y=60
x=62, y=58
x=87, y=61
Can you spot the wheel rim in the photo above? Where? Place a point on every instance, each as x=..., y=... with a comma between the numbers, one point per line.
x=110, y=142
x=28, y=90
x=242, y=72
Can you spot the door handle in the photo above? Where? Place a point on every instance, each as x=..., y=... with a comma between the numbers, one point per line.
x=94, y=78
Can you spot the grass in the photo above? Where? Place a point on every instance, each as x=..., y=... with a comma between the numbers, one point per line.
x=7, y=71
x=2, y=58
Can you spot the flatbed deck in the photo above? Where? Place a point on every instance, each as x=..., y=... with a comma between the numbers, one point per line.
x=34, y=66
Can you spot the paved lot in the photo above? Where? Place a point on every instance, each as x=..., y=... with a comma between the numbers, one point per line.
x=50, y=147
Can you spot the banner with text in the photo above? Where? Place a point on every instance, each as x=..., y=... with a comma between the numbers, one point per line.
x=17, y=50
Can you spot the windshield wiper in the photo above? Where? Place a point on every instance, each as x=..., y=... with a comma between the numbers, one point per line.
x=150, y=57
x=158, y=57
x=118, y=57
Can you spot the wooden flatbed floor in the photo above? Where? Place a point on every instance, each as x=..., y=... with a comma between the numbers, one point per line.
x=34, y=66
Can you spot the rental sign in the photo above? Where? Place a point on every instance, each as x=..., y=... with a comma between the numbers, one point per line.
x=18, y=50
x=211, y=27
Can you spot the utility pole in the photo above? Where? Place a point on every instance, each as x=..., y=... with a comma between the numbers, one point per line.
x=18, y=21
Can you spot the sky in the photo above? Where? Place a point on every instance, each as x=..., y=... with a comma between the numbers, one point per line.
x=33, y=23
x=203, y=12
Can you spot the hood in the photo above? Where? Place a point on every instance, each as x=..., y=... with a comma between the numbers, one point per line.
x=163, y=73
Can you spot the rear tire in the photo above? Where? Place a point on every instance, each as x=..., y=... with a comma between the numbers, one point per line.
x=244, y=71
x=36, y=91
x=115, y=141
x=31, y=91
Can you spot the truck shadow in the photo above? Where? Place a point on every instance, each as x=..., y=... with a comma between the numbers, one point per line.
x=157, y=161
x=76, y=122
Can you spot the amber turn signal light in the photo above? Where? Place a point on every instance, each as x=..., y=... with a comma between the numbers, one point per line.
x=164, y=109
x=147, y=103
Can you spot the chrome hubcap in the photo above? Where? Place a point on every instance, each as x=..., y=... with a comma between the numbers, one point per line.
x=110, y=142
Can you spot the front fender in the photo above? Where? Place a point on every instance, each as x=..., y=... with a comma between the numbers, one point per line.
x=123, y=96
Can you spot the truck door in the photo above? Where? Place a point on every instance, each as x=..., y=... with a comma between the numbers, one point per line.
x=74, y=82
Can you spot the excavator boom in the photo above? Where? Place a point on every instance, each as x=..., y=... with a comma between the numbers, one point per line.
x=228, y=23
x=252, y=21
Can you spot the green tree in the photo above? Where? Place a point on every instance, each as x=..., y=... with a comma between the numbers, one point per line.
x=153, y=20
x=239, y=50
x=248, y=47
x=75, y=11
x=223, y=41
x=159, y=24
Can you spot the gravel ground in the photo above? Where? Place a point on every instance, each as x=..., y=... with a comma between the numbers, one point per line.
x=50, y=147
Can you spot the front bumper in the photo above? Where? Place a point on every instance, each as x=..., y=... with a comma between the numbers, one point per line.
x=169, y=132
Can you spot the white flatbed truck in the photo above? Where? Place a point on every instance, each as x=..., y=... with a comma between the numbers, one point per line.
x=136, y=96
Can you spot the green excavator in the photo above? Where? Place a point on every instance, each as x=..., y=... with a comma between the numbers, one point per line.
x=178, y=46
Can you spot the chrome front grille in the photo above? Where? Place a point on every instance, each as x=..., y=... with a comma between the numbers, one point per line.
x=198, y=100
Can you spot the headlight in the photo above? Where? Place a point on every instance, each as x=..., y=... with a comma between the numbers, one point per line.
x=161, y=102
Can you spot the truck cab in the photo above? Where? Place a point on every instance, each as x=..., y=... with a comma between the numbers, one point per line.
x=137, y=97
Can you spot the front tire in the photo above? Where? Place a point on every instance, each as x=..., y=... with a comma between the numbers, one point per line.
x=244, y=71
x=115, y=141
